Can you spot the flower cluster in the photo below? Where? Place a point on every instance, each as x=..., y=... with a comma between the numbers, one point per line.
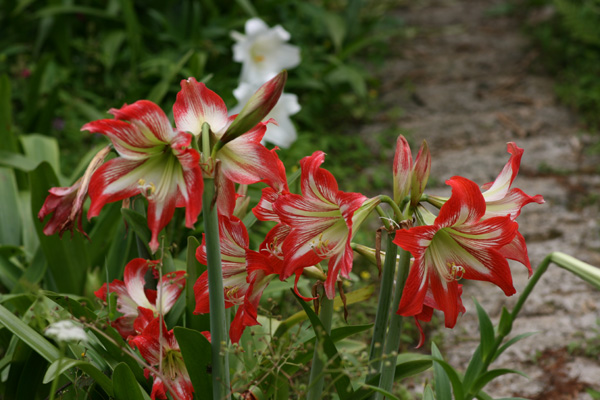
x=141, y=324
x=472, y=236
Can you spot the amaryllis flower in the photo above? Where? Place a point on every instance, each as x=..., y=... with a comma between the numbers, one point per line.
x=135, y=302
x=263, y=51
x=160, y=349
x=154, y=161
x=321, y=221
x=283, y=132
x=243, y=158
x=66, y=203
x=246, y=273
x=501, y=200
x=459, y=244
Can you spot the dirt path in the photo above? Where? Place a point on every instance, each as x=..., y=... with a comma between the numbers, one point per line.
x=464, y=83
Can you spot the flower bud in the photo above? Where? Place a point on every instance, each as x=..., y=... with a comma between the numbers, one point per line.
x=420, y=174
x=402, y=169
x=257, y=108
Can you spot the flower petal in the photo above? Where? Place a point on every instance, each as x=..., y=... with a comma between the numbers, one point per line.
x=135, y=281
x=129, y=141
x=169, y=289
x=497, y=190
x=465, y=206
x=197, y=104
x=149, y=118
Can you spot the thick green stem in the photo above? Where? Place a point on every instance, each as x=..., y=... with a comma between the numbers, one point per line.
x=218, y=325
x=317, y=376
x=391, y=203
x=392, y=344
x=383, y=307
x=218, y=316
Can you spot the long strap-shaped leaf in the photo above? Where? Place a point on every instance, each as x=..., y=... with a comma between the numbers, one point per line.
x=341, y=380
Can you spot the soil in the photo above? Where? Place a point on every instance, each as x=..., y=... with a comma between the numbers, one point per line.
x=468, y=81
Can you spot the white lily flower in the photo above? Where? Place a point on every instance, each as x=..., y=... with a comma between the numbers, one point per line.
x=284, y=133
x=263, y=51
x=66, y=331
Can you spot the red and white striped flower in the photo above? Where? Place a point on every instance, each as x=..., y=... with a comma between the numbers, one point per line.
x=137, y=304
x=66, y=203
x=460, y=243
x=242, y=156
x=160, y=349
x=321, y=221
x=501, y=200
x=154, y=161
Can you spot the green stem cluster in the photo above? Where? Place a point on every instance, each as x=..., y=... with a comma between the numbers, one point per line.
x=317, y=376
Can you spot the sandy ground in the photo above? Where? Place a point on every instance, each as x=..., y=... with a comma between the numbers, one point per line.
x=465, y=82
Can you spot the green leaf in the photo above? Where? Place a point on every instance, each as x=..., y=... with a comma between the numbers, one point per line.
x=505, y=324
x=196, y=351
x=114, y=346
x=487, y=377
x=18, y=161
x=61, y=365
x=67, y=259
x=42, y=148
x=120, y=251
x=247, y=6
x=31, y=243
x=486, y=329
x=474, y=369
x=450, y=372
x=355, y=296
x=351, y=75
x=336, y=27
x=194, y=269
x=585, y=271
x=428, y=393
x=342, y=382
x=134, y=31
x=442, y=382
x=9, y=273
x=68, y=9
x=408, y=365
x=10, y=228
x=106, y=234
x=512, y=341
x=111, y=45
x=9, y=140
x=124, y=384
x=384, y=392
x=25, y=374
x=28, y=335
x=138, y=223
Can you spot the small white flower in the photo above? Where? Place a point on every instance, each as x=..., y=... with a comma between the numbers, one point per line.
x=284, y=133
x=263, y=51
x=66, y=331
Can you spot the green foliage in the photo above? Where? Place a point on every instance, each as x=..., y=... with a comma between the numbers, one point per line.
x=89, y=56
x=570, y=44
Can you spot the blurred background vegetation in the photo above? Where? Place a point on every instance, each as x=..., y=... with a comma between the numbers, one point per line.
x=568, y=36
x=68, y=62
